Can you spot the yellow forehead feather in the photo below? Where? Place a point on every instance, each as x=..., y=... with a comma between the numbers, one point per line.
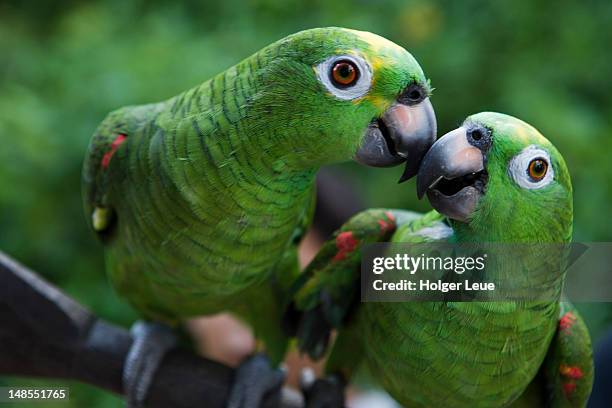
x=378, y=43
x=379, y=47
x=527, y=134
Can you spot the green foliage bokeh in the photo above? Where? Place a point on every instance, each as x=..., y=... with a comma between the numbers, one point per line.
x=65, y=64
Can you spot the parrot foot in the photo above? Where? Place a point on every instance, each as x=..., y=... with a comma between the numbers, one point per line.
x=254, y=379
x=325, y=392
x=150, y=344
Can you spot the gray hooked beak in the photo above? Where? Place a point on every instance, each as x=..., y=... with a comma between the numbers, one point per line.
x=453, y=172
x=403, y=133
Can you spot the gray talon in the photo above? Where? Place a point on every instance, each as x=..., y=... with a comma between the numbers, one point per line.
x=254, y=379
x=150, y=344
x=325, y=392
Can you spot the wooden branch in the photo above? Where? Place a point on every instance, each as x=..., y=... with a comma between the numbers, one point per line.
x=44, y=333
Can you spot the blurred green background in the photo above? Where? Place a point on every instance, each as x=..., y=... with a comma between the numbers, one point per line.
x=65, y=64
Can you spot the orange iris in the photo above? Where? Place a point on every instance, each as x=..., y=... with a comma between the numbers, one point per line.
x=344, y=73
x=537, y=169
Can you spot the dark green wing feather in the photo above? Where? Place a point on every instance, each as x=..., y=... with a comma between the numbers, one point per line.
x=328, y=289
x=568, y=368
x=100, y=166
x=566, y=376
x=411, y=228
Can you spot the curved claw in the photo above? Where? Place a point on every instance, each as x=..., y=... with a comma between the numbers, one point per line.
x=314, y=333
x=327, y=392
x=151, y=342
x=254, y=379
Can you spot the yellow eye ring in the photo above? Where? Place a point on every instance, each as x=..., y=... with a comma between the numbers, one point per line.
x=537, y=169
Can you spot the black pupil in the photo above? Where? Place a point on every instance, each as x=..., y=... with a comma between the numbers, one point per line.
x=345, y=70
x=538, y=167
x=414, y=95
x=476, y=134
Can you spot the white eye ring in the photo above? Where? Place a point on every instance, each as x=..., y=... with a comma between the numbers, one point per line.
x=359, y=89
x=519, y=168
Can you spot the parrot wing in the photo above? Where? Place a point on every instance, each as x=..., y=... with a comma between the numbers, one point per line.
x=568, y=367
x=327, y=291
x=565, y=378
x=109, y=138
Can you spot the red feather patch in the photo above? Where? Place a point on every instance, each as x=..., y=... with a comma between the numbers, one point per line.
x=569, y=388
x=567, y=321
x=114, y=146
x=571, y=371
x=386, y=226
x=346, y=243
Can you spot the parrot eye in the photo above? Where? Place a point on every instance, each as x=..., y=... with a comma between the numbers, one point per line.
x=345, y=76
x=344, y=73
x=537, y=169
x=530, y=168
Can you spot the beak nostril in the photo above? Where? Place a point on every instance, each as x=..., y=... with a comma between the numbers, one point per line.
x=412, y=95
x=479, y=137
x=476, y=134
x=415, y=95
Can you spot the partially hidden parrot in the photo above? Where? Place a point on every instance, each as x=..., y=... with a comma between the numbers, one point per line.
x=200, y=200
x=495, y=179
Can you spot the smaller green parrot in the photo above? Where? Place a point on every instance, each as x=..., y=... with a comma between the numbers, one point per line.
x=494, y=179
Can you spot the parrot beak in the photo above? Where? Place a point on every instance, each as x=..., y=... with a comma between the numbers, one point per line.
x=403, y=133
x=453, y=172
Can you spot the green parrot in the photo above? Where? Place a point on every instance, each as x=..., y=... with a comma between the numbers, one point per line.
x=200, y=200
x=495, y=179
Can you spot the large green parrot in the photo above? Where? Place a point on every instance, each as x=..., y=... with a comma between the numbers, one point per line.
x=495, y=179
x=201, y=200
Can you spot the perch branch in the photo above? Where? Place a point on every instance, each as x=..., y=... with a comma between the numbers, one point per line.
x=44, y=333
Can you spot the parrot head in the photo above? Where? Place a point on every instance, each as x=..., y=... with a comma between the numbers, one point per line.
x=334, y=94
x=499, y=178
